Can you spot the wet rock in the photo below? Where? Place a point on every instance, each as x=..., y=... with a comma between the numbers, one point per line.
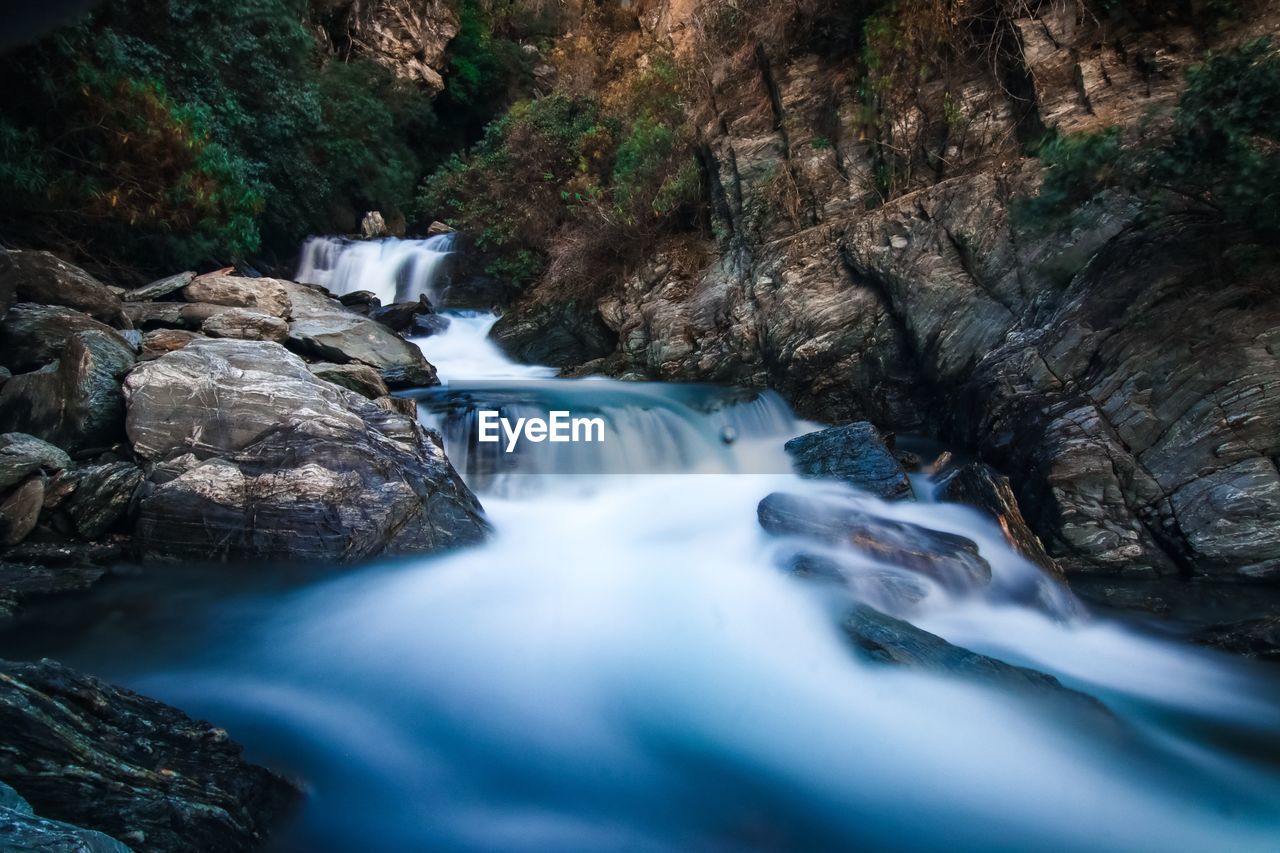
x=1253, y=638
x=951, y=561
x=426, y=325
x=22, y=455
x=21, y=831
x=20, y=511
x=361, y=378
x=102, y=496
x=406, y=406
x=160, y=341
x=42, y=278
x=854, y=454
x=160, y=288
x=31, y=336
x=885, y=639
x=81, y=751
x=399, y=317
x=373, y=226
x=288, y=466
x=561, y=334
x=323, y=329
x=248, y=325
x=76, y=402
x=265, y=295
x=361, y=300
x=981, y=486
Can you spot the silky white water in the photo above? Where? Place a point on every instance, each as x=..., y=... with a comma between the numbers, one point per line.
x=393, y=270
x=625, y=667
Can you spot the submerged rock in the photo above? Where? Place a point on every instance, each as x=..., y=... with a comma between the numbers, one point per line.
x=885, y=639
x=286, y=466
x=951, y=561
x=81, y=751
x=43, y=278
x=855, y=454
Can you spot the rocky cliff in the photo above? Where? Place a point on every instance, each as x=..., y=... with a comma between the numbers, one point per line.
x=862, y=259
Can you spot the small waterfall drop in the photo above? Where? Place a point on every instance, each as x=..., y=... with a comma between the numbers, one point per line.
x=625, y=665
x=395, y=270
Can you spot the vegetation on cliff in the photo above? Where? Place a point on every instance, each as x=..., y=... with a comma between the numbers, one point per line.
x=1217, y=154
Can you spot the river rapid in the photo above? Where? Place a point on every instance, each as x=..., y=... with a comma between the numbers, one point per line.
x=625, y=666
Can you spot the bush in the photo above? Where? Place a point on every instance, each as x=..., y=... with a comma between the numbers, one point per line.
x=1219, y=156
x=613, y=172
x=183, y=132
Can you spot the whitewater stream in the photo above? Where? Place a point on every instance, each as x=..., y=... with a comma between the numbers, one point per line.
x=625, y=666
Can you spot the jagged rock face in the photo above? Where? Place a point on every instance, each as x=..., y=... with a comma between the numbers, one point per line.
x=408, y=37
x=270, y=462
x=1131, y=449
x=81, y=751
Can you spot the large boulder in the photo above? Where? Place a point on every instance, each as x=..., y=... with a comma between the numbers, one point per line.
x=20, y=511
x=101, y=497
x=32, y=335
x=282, y=465
x=76, y=402
x=81, y=751
x=855, y=454
x=41, y=277
x=322, y=328
x=172, y=315
x=265, y=295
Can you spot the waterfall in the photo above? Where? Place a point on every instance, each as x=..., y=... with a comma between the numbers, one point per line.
x=628, y=665
x=395, y=270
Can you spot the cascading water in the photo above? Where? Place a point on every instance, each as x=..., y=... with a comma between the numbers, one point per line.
x=394, y=270
x=624, y=666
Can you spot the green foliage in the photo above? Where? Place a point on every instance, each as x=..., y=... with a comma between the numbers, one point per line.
x=570, y=161
x=1222, y=153
x=165, y=132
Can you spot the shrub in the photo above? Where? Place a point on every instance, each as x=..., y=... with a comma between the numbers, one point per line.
x=1220, y=155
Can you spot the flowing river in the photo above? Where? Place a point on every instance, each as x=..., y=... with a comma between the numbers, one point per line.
x=624, y=666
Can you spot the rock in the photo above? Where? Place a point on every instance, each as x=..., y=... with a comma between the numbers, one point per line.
x=287, y=466
x=951, y=561
x=426, y=325
x=853, y=454
x=437, y=229
x=560, y=334
x=323, y=329
x=407, y=37
x=266, y=295
x=373, y=226
x=172, y=315
x=76, y=402
x=97, y=756
x=5, y=375
x=248, y=325
x=984, y=488
x=22, y=455
x=21, y=831
x=406, y=406
x=42, y=278
x=31, y=336
x=400, y=316
x=884, y=639
x=361, y=378
x=160, y=341
x=102, y=496
x=361, y=300
x=1253, y=638
x=20, y=511
x=22, y=579
x=160, y=288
